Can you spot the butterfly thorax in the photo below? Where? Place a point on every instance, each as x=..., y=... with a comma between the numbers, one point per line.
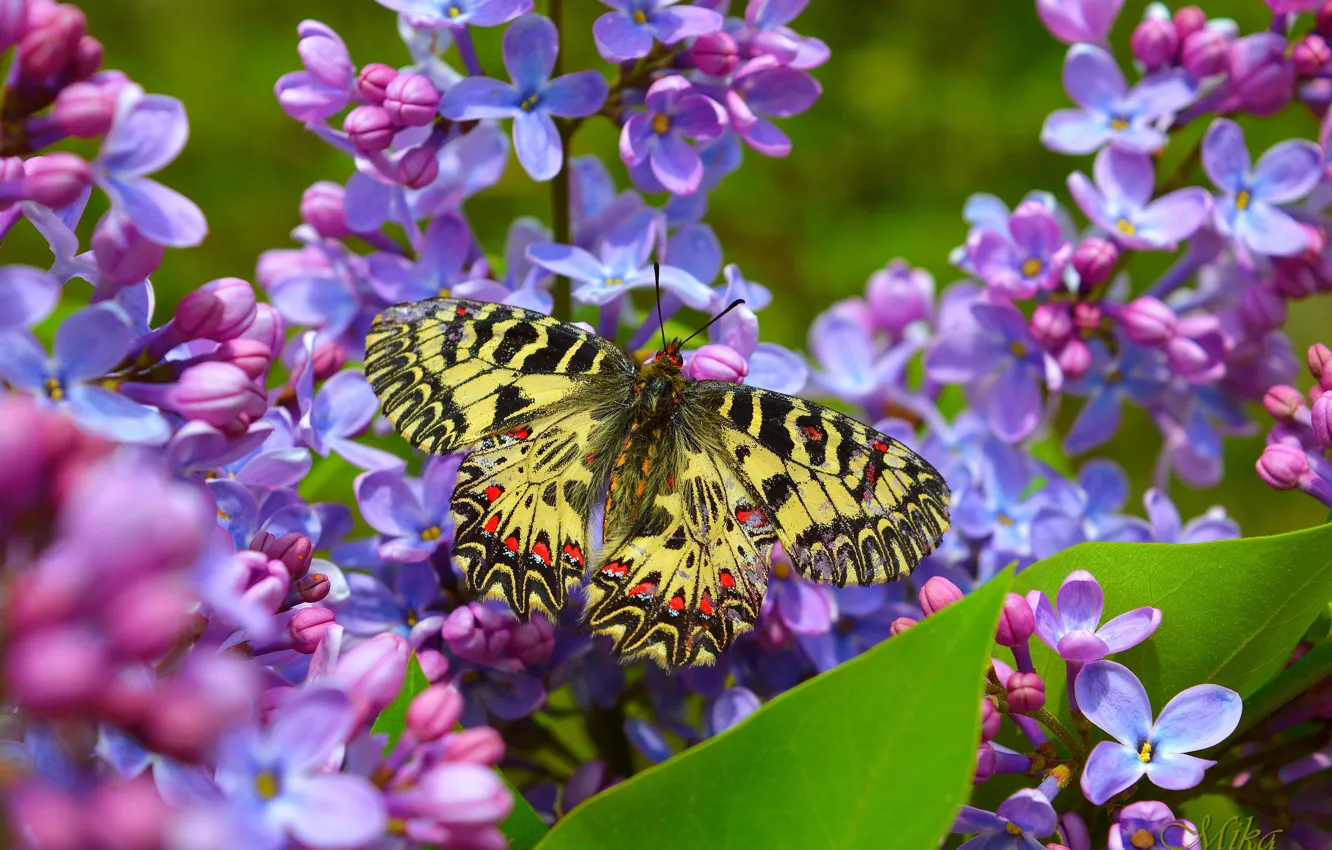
x=658, y=389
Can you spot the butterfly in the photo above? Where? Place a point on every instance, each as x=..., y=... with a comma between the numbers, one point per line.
x=698, y=480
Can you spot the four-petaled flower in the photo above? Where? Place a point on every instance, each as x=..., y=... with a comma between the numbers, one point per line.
x=1246, y=209
x=1120, y=202
x=1113, y=699
x=1111, y=112
x=675, y=110
x=1072, y=629
x=413, y=514
x=1019, y=824
x=627, y=32
x=1030, y=257
x=1149, y=825
x=434, y=14
x=530, y=46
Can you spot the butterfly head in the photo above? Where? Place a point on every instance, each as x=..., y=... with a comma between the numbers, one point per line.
x=669, y=358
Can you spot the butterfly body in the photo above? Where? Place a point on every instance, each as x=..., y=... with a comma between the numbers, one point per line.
x=700, y=479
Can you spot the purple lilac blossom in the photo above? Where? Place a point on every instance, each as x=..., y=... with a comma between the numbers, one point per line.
x=1029, y=258
x=675, y=110
x=1145, y=821
x=1073, y=629
x=1074, y=21
x=413, y=514
x=764, y=31
x=764, y=87
x=1111, y=112
x=530, y=47
x=1019, y=823
x=434, y=14
x=1112, y=698
x=628, y=32
x=326, y=85
x=1120, y=202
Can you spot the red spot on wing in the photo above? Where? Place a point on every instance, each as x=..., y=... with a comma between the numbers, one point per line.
x=520, y=433
x=542, y=551
x=812, y=433
x=493, y=492
x=461, y=311
x=677, y=603
x=573, y=553
x=705, y=604
x=643, y=590
x=871, y=473
x=879, y=445
x=670, y=482
x=511, y=543
x=492, y=524
x=727, y=580
x=615, y=569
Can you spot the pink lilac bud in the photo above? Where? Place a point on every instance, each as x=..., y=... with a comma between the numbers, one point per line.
x=373, y=80
x=370, y=128
x=1087, y=316
x=57, y=670
x=716, y=362
x=411, y=100
x=267, y=327
x=372, y=673
x=56, y=180
x=87, y=58
x=219, y=310
x=480, y=745
x=1074, y=359
x=1188, y=20
x=1323, y=19
x=84, y=110
x=217, y=393
x=1155, y=42
x=985, y=762
x=1262, y=80
x=1282, y=466
x=129, y=815
x=322, y=208
x=901, y=624
x=1303, y=274
x=1261, y=309
x=1283, y=402
x=307, y=628
x=146, y=617
x=991, y=720
x=328, y=360
x=531, y=642
x=1147, y=321
x=1320, y=419
x=1095, y=260
x=418, y=167
x=250, y=356
x=293, y=549
x=463, y=796
x=1204, y=53
x=123, y=256
x=1051, y=325
x=13, y=22
x=937, y=593
x=45, y=51
x=1026, y=692
x=1310, y=55
x=715, y=54
x=1319, y=357
x=1016, y=621
x=313, y=587
x=899, y=295
x=434, y=712
x=48, y=817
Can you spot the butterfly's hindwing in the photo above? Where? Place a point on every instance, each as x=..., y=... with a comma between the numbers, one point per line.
x=450, y=371
x=849, y=504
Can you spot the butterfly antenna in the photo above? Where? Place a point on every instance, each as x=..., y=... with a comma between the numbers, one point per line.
x=736, y=303
x=661, y=321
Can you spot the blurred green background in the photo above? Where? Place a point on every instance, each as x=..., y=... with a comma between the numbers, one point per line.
x=924, y=103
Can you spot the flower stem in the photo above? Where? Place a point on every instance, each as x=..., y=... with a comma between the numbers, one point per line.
x=1049, y=721
x=559, y=187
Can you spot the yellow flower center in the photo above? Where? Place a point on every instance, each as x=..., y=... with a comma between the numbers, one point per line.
x=1017, y=349
x=1125, y=227
x=266, y=785
x=1145, y=754
x=1119, y=124
x=445, y=292
x=54, y=391
x=1063, y=773
x=1242, y=201
x=1012, y=828
x=614, y=281
x=1004, y=520
x=221, y=514
x=661, y=124
x=1143, y=840
x=639, y=17
x=529, y=104
x=780, y=569
x=454, y=11
x=1032, y=267
x=412, y=619
x=432, y=533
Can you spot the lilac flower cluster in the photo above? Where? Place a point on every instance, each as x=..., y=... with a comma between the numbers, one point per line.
x=192, y=638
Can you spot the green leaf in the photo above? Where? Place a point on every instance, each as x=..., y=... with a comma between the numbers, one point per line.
x=523, y=827
x=878, y=752
x=1232, y=611
x=393, y=719
x=1313, y=667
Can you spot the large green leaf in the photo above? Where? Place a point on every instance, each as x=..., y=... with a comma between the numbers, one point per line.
x=1232, y=611
x=876, y=753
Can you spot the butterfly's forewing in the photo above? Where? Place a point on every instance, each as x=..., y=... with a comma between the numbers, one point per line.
x=534, y=399
x=849, y=504
x=451, y=371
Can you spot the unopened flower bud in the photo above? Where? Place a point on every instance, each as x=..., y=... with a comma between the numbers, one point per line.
x=937, y=593
x=1016, y=621
x=217, y=393
x=84, y=110
x=531, y=642
x=322, y=208
x=307, y=628
x=1310, y=54
x=328, y=359
x=86, y=60
x=1074, y=359
x=1148, y=321
x=434, y=712
x=481, y=745
x=899, y=295
x=901, y=624
x=372, y=673
x=1323, y=19
x=715, y=54
x=267, y=328
x=313, y=587
x=13, y=22
x=56, y=669
x=1282, y=466
x=293, y=549
x=411, y=100
x=716, y=362
x=1155, y=42
x=1262, y=79
x=1189, y=20
x=57, y=179
x=373, y=80
x=1051, y=325
x=1283, y=402
x=1319, y=358
x=1203, y=53
x=1095, y=260
x=46, y=51
x=250, y=356
x=370, y=128
x=1261, y=309
x=985, y=763
x=219, y=310
x=1026, y=692
x=1087, y=316
x=990, y=720
x=1321, y=420
x=147, y=616
x=128, y=815
x=418, y=167
x=123, y=256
